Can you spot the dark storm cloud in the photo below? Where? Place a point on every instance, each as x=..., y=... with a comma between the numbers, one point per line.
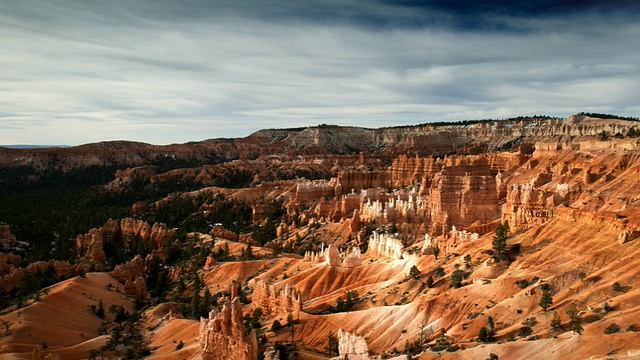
x=173, y=71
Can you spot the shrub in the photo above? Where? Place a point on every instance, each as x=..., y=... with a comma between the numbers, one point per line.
x=525, y=331
x=582, y=275
x=483, y=334
x=456, y=278
x=414, y=272
x=522, y=284
x=612, y=329
x=180, y=345
x=276, y=326
x=616, y=286
x=438, y=272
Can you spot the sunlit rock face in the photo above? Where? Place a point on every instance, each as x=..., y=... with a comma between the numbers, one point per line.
x=272, y=301
x=223, y=335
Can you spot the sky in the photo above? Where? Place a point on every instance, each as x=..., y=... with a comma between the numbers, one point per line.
x=167, y=71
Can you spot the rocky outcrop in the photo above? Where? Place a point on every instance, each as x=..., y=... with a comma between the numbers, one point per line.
x=223, y=335
x=137, y=288
x=7, y=239
x=273, y=301
x=333, y=257
x=51, y=270
x=127, y=233
x=384, y=246
x=210, y=263
x=527, y=206
x=8, y=262
x=90, y=246
x=219, y=231
x=129, y=272
x=352, y=346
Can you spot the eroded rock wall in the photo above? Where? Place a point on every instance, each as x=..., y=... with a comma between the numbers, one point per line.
x=223, y=335
x=276, y=301
x=385, y=246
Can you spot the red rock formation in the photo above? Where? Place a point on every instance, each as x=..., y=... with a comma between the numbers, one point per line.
x=126, y=234
x=219, y=231
x=211, y=262
x=8, y=262
x=137, y=288
x=274, y=301
x=223, y=335
x=90, y=246
x=59, y=269
x=527, y=207
x=130, y=271
x=7, y=239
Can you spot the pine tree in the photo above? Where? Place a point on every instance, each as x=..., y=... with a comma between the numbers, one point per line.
x=576, y=321
x=206, y=302
x=556, y=322
x=499, y=243
x=100, y=311
x=435, y=249
x=546, y=300
x=414, y=272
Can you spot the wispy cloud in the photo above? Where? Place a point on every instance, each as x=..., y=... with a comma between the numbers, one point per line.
x=167, y=71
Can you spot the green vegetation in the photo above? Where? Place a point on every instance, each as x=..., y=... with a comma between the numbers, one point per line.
x=414, y=272
x=252, y=321
x=612, y=329
x=332, y=347
x=456, y=278
x=616, y=286
x=608, y=116
x=499, y=243
x=556, y=322
x=546, y=300
x=351, y=299
x=575, y=320
x=125, y=331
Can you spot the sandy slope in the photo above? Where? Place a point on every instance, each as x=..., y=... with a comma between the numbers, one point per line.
x=63, y=319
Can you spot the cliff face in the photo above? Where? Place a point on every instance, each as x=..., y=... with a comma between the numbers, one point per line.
x=223, y=336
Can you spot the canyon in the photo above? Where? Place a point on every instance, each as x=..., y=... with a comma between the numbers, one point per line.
x=345, y=242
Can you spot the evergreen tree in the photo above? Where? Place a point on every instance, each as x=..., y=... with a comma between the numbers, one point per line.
x=435, y=249
x=574, y=318
x=414, y=272
x=546, y=300
x=499, y=243
x=556, y=322
x=456, y=278
x=333, y=344
x=206, y=303
x=100, y=311
x=482, y=335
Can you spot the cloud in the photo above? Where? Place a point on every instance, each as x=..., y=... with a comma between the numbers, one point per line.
x=167, y=71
